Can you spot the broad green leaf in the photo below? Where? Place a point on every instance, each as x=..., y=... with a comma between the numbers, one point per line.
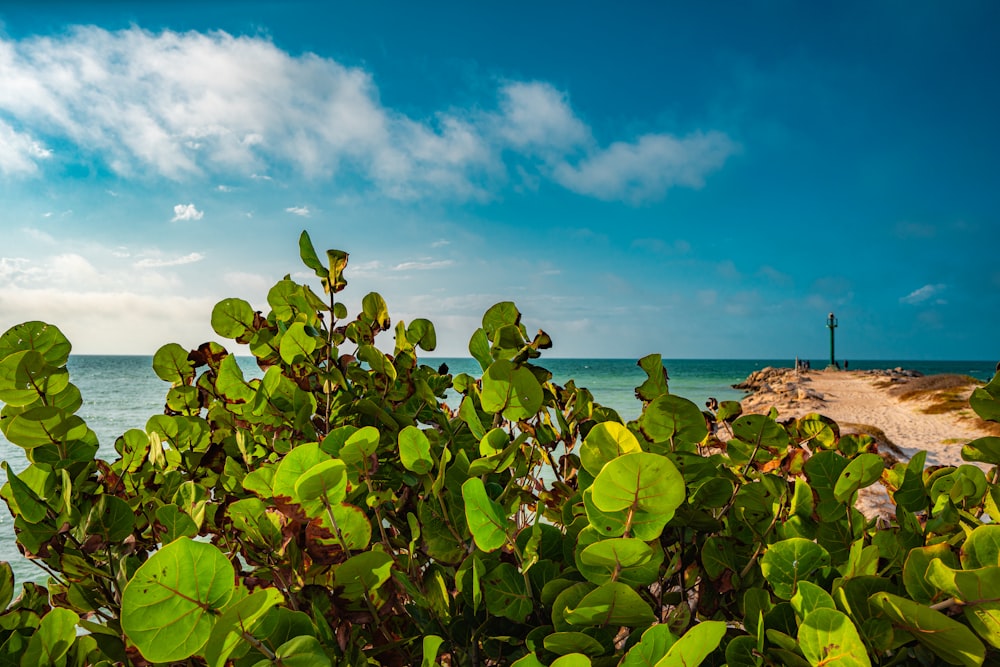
x=512, y=390
x=950, y=640
x=655, y=384
x=24, y=501
x=112, y=518
x=296, y=344
x=628, y=560
x=979, y=592
x=694, y=645
x=828, y=637
x=344, y=526
x=786, y=563
x=376, y=310
x=231, y=318
x=506, y=594
x=6, y=584
x=639, y=481
x=337, y=261
x=986, y=400
x=810, y=597
x=479, y=348
x=981, y=547
x=571, y=660
x=295, y=464
x=170, y=605
x=911, y=493
x=299, y=652
x=52, y=640
x=25, y=377
x=673, y=419
x=762, y=431
x=360, y=445
x=863, y=470
x=415, y=450
x=325, y=481
x=986, y=449
x=430, y=645
x=499, y=315
x=572, y=645
x=606, y=441
x=363, y=573
x=175, y=523
x=171, y=363
x=487, y=520
x=421, y=332
x=238, y=619
x=467, y=413
x=39, y=336
x=818, y=430
x=915, y=571
x=309, y=257
x=823, y=470
x=44, y=425
x=613, y=603
x=655, y=643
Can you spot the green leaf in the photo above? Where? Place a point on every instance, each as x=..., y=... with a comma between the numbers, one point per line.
x=786, y=563
x=486, y=519
x=6, y=584
x=238, y=619
x=112, y=518
x=947, y=638
x=911, y=494
x=309, y=257
x=362, y=574
x=827, y=637
x=325, y=481
x=25, y=377
x=986, y=449
x=171, y=363
x=979, y=592
x=337, y=261
x=170, y=605
x=39, y=336
x=506, y=594
x=572, y=660
x=512, y=390
x=613, y=603
x=296, y=345
x=415, y=450
x=175, y=523
x=864, y=470
x=360, y=445
x=431, y=644
x=984, y=400
x=295, y=464
x=628, y=560
x=303, y=651
x=694, y=645
x=653, y=646
x=655, y=384
x=981, y=547
x=232, y=318
x=810, y=597
x=606, y=441
x=673, y=419
x=376, y=310
x=421, y=332
x=44, y=425
x=915, y=570
x=53, y=639
x=500, y=315
x=573, y=646
x=479, y=348
x=639, y=481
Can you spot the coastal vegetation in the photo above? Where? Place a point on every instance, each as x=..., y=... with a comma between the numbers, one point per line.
x=355, y=506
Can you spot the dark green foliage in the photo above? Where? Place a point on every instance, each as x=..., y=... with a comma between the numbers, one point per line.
x=337, y=511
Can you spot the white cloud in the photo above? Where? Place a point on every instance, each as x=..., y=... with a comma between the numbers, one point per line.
x=644, y=170
x=423, y=266
x=924, y=294
x=183, y=212
x=153, y=262
x=440, y=243
x=19, y=152
x=189, y=105
x=302, y=211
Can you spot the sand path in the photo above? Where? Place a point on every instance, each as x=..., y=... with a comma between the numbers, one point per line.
x=857, y=397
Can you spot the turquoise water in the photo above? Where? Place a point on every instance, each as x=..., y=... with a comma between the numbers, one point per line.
x=122, y=392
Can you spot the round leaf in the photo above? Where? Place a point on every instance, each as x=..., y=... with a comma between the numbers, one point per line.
x=512, y=390
x=486, y=519
x=670, y=418
x=232, y=317
x=39, y=336
x=171, y=363
x=606, y=441
x=415, y=450
x=170, y=604
x=639, y=481
x=786, y=562
x=864, y=470
x=296, y=344
x=827, y=637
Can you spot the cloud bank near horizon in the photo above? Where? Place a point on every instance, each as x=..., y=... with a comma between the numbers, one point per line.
x=181, y=106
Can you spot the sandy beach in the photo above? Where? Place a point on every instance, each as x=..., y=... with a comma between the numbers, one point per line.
x=905, y=412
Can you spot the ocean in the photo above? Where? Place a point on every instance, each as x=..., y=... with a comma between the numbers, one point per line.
x=122, y=392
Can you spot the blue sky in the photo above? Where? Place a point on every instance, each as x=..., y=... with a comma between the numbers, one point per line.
x=696, y=179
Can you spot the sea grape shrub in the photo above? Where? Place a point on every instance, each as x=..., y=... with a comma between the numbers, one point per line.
x=353, y=506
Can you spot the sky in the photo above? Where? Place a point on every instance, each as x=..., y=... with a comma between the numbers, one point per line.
x=699, y=180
